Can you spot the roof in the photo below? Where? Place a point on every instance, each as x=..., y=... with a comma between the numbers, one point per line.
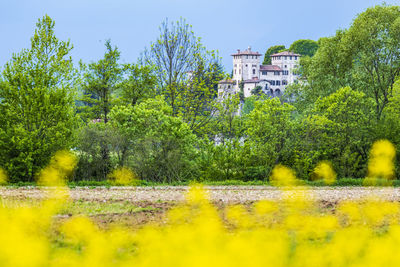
x=253, y=80
x=270, y=68
x=227, y=81
x=285, y=53
x=246, y=52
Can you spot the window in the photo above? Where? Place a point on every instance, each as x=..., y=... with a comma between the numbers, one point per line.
x=284, y=82
x=285, y=66
x=276, y=72
x=247, y=57
x=279, y=57
x=235, y=71
x=285, y=72
x=264, y=73
x=246, y=65
x=278, y=82
x=295, y=58
x=290, y=57
x=239, y=71
x=285, y=57
x=229, y=87
x=235, y=65
x=254, y=71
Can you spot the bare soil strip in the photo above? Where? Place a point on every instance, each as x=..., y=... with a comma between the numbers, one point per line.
x=224, y=194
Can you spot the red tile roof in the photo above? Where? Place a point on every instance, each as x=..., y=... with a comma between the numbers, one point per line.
x=270, y=68
x=285, y=53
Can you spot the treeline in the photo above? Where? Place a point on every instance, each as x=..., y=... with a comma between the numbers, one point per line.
x=161, y=117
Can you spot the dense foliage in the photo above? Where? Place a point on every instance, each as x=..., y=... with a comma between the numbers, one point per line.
x=37, y=111
x=304, y=47
x=161, y=118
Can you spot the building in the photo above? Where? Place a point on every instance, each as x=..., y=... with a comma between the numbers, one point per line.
x=248, y=72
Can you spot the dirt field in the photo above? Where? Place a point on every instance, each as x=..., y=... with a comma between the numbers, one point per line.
x=136, y=206
x=226, y=194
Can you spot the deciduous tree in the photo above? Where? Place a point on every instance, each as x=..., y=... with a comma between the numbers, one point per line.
x=304, y=47
x=37, y=113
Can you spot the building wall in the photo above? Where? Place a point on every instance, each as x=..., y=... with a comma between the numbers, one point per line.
x=243, y=67
x=225, y=88
x=247, y=87
x=287, y=63
x=274, y=76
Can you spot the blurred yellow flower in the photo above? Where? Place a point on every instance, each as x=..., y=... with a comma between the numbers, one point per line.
x=283, y=176
x=123, y=176
x=325, y=172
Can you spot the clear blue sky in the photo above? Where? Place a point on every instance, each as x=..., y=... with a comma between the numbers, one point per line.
x=223, y=25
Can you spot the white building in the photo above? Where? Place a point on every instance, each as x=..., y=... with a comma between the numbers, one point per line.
x=272, y=79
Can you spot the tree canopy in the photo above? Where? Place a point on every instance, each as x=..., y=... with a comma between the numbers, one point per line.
x=37, y=110
x=304, y=47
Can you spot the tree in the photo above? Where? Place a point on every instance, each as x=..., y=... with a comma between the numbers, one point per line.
x=257, y=91
x=100, y=83
x=37, y=113
x=304, y=47
x=389, y=128
x=365, y=57
x=272, y=50
x=220, y=156
x=328, y=70
x=340, y=129
x=197, y=98
x=161, y=147
x=187, y=73
x=268, y=129
x=375, y=41
x=248, y=105
x=139, y=84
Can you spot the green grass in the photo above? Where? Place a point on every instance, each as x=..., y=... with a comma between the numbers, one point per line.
x=94, y=184
x=80, y=207
x=91, y=208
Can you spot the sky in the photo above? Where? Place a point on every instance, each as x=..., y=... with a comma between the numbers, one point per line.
x=223, y=25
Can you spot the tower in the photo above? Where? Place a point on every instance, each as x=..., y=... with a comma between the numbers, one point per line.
x=246, y=65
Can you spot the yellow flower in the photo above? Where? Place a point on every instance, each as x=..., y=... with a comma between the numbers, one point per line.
x=381, y=160
x=325, y=172
x=283, y=176
x=123, y=176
